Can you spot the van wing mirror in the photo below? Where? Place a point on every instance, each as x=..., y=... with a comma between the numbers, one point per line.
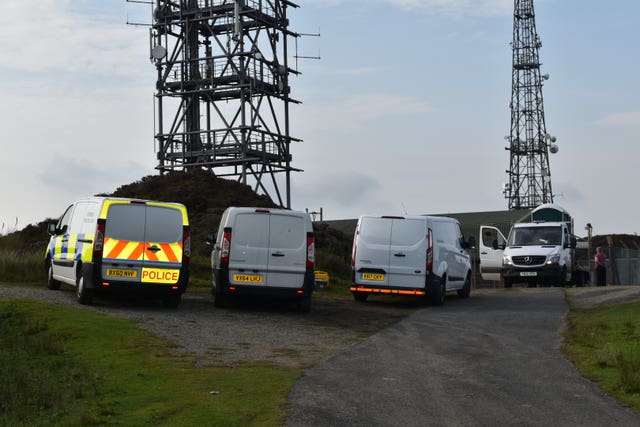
x=211, y=238
x=52, y=229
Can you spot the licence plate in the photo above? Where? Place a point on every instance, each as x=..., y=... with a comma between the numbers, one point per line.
x=116, y=272
x=528, y=273
x=247, y=278
x=373, y=276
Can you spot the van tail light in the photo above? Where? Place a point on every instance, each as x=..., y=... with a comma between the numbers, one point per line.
x=186, y=245
x=311, y=251
x=429, y=250
x=98, y=240
x=225, y=246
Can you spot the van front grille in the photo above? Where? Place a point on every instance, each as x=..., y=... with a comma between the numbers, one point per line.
x=529, y=260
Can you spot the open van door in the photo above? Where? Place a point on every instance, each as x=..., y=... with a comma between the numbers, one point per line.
x=491, y=246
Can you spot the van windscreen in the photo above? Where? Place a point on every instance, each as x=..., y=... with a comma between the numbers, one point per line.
x=140, y=223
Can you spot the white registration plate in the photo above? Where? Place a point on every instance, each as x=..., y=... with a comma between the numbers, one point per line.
x=528, y=273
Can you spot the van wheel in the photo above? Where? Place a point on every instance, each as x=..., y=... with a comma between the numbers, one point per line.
x=172, y=301
x=466, y=289
x=438, y=292
x=508, y=284
x=360, y=296
x=220, y=299
x=83, y=295
x=52, y=284
x=304, y=304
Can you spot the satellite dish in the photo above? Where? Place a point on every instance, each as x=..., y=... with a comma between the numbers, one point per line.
x=553, y=139
x=553, y=148
x=158, y=52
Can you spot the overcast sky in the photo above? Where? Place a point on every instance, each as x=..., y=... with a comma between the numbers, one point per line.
x=405, y=112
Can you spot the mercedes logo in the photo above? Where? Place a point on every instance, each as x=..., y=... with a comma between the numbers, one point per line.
x=527, y=260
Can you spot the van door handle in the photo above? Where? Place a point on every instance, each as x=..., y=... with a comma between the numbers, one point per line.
x=400, y=254
x=277, y=254
x=153, y=248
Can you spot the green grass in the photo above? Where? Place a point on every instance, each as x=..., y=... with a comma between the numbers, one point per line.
x=604, y=344
x=22, y=266
x=69, y=366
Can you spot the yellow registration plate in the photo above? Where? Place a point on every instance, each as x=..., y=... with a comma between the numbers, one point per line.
x=247, y=278
x=373, y=276
x=116, y=272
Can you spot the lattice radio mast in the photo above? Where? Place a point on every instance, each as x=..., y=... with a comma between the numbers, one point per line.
x=529, y=183
x=222, y=93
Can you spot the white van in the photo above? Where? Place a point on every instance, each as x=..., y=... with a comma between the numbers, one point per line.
x=410, y=255
x=540, y=252
x=106, y=244
x=263, y=251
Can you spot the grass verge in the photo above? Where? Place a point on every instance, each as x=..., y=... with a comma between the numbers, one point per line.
x=68, y=366
x=604, y=344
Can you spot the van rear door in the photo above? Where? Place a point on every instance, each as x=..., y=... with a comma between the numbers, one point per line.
x=143, y=243
x=373, y=251
x=408, y=253
x=287, y=258
x=249, y=252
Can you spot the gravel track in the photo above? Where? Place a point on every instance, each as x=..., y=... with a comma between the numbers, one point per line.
x=246, y=332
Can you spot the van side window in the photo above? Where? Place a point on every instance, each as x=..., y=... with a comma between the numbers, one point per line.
x=90, y=218
x=65, y=219
x=441, y=232
x=458, y=234
x=75, y=225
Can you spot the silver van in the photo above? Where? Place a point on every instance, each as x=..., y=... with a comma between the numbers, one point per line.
x=410, y=255
x=265, y=252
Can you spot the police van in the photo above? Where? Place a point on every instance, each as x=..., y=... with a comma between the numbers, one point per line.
x=105, y=244
x=266, y=252
x=410, y=255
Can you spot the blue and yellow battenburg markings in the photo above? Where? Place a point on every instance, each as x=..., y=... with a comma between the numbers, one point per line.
x=76, y=243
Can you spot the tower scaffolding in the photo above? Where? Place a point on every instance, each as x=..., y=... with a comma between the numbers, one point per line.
x=222, y=95
x=529, y=183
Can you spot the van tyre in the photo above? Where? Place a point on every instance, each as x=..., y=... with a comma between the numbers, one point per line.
x=466, y=289
x=83, y=295
x=304, y=304
x=360, y=296
x=438, y=292
x=52, y=283
x=220, y=299
x=508, y=284
x=172, y=301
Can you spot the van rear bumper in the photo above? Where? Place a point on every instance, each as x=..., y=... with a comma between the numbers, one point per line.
x=221, y=280
x=370, y=288
x=93, y=280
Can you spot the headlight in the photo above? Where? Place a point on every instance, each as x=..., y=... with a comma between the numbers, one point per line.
x=506, y=261
x=553, y=259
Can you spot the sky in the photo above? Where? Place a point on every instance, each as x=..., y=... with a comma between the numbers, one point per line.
x=405, y=112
